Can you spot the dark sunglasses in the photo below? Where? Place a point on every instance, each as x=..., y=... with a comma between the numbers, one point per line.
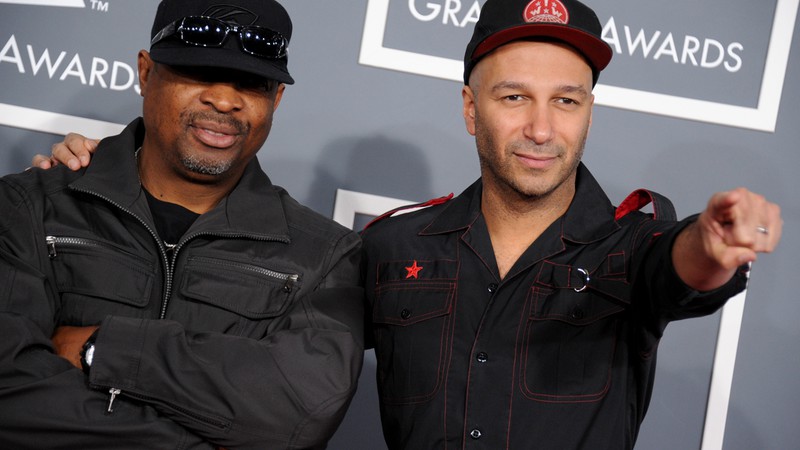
x=209, y=32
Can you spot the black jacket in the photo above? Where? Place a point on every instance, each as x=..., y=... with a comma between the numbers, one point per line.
x=249, y=335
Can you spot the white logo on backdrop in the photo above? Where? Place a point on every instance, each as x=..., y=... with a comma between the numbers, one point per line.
x=704, y=53
x=64, y=67
x=116, y=75
x=63, y=3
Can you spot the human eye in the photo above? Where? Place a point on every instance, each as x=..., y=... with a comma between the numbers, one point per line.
x=256, y=84
x=568, y=102
x=571, y=96
x=512, y=98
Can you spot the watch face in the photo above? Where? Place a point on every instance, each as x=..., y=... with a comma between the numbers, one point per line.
x=89, y=355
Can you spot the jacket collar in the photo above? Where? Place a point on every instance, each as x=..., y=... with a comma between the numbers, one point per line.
x=590, y=216
x=253, y=209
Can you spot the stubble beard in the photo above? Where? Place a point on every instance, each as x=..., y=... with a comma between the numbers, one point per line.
x=206, y=166
x=201, y=166
x=501, y=172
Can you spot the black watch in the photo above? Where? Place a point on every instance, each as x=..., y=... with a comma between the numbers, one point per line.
x=87, y=353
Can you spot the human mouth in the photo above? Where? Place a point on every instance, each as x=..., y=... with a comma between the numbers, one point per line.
x=215, y=134
x=536, y=161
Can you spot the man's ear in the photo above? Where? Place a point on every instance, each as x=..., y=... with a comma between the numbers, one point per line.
x=468, y=96
x=591, y=113
x=278, y=95
x=145, y=65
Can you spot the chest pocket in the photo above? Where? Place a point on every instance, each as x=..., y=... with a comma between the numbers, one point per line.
x=96, y=278
x=412, y=325
x=571, y=335
x=235, y=297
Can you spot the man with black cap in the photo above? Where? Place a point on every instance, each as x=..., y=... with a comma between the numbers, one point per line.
x=526, y=312
x=169, y=296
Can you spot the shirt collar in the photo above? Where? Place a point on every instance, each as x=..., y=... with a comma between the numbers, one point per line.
x=589, y=217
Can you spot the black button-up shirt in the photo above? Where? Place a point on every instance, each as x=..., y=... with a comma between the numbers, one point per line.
x=560, y=354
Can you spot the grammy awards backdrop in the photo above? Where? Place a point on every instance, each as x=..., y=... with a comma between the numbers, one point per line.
x=700, y=97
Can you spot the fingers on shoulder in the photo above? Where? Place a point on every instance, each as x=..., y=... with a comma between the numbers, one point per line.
x=42, y=162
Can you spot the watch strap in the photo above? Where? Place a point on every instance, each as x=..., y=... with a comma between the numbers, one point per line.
x=88, y=347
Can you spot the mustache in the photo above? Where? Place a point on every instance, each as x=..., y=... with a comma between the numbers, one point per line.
x=533, y=149
x=219, y=118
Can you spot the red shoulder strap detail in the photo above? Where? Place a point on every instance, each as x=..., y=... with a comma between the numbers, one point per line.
x=662, y=207
x=431, y=202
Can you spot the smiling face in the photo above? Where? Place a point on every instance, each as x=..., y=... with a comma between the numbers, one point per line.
x=204, y=124
x=529, y=106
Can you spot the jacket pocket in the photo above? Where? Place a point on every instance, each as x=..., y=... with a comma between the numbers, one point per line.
x=247, y=296
x=568, y=345
x=96, y=278
x=412, y=327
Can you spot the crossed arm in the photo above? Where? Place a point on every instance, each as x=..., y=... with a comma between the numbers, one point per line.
x=181, y=388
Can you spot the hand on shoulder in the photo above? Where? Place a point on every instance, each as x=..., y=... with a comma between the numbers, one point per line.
x=75, y=151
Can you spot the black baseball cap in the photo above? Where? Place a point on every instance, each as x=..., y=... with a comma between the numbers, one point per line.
x=569, y=21
x=167, y=48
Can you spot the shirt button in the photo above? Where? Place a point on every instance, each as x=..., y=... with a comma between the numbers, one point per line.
x=482, y=357
x=405, y=314
x=577, y=314
x=491, y=288
x=475, y=433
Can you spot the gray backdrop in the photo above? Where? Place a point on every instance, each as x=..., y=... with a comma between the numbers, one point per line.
x=694, y=102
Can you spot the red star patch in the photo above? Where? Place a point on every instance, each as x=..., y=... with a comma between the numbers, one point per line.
x=413, y=270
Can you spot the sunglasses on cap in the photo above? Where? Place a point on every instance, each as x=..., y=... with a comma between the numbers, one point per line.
x=210, y=32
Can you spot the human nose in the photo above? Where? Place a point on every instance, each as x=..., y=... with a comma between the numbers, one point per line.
x=223, y=97
x=539, y=125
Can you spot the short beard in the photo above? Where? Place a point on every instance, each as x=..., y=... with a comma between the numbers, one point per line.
x=205, y=167
x=493, y=166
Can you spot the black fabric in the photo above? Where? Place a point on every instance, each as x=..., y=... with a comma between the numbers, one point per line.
x=221, y=346
x=559, y=354
x=264, y=13
x=171, y=220
x=570, y=21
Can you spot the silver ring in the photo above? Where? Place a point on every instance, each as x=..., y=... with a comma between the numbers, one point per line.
x=585, y=280
x=762, y=230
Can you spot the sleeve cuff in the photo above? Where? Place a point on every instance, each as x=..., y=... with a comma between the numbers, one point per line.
x=118, y=352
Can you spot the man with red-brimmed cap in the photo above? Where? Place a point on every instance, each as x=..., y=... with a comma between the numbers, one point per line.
x=169, y=296
x=526, y=312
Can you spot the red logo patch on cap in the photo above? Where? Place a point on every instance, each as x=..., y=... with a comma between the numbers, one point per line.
x=550, y=11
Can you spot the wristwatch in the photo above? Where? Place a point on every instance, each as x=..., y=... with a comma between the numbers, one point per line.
x=87, y=353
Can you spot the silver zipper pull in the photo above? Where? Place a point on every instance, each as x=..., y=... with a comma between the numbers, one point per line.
x=51, y=246
x=290, y=281
x=114, y=392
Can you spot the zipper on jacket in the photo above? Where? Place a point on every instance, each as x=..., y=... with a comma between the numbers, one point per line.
x=169, y=259
x=177, y=248
x=53, y=241
x=290, y=282
x=162, y=251
x=218, y=423
x=288, y=279
x=114, y=392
